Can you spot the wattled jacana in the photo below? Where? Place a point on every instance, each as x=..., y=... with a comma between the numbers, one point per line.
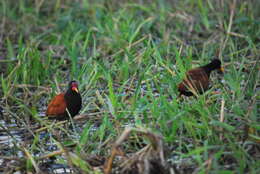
x=71, y=100
x=197, y=79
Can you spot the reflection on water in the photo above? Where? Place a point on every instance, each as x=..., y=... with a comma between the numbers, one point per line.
x=13, y=139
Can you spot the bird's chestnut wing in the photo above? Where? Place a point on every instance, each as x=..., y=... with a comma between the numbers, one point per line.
x=57, y=105
x=199, y=78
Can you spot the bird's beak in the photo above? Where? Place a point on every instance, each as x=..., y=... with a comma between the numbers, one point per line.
x=75, y=89
x=221, y=70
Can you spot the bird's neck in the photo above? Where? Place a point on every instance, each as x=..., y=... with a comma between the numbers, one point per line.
x=209, y=68
x=70, y=94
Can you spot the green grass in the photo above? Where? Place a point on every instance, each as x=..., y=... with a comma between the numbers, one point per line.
x=114, y=49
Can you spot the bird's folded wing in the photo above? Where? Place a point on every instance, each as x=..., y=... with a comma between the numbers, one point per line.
x=57, y=105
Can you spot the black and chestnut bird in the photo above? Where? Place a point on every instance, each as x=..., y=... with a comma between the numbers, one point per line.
x=69, y=101
x=197, y=79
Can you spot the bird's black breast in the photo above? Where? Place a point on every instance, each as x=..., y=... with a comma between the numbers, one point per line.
x=74, y=103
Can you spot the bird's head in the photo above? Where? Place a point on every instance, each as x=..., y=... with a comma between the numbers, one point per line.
x=73, y=85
